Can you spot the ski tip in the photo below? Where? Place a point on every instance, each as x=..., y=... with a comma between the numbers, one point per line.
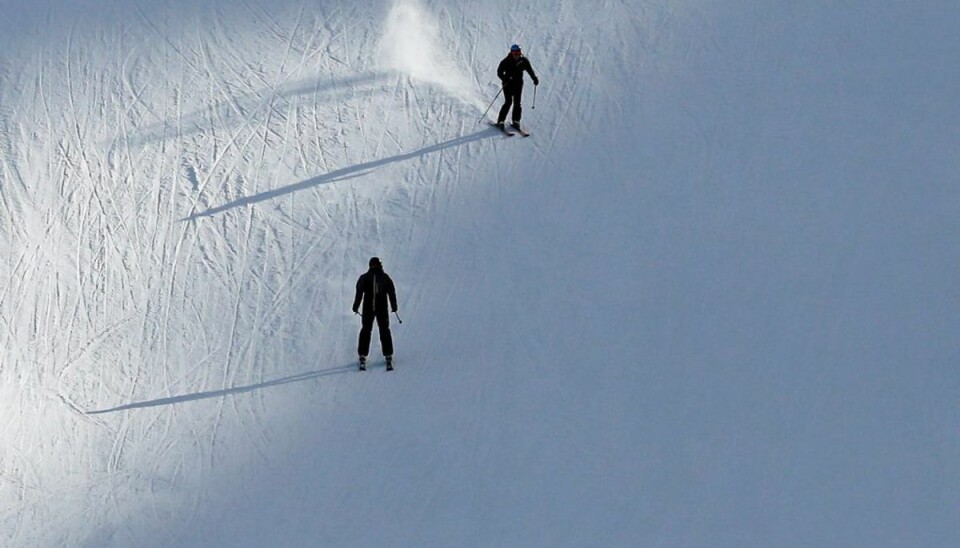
x=522, y=132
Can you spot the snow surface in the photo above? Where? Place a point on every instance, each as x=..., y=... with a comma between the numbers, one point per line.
x=712, y=301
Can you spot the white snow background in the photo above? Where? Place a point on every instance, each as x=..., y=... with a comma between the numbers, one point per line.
x=711, y=301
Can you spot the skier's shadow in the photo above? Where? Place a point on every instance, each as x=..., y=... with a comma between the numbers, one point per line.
x=351, y=172
x=230, y=391
x=248, y=108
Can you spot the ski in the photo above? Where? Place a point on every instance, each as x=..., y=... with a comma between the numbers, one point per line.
x=504, y=129
x=522, y=132
x=389, y=362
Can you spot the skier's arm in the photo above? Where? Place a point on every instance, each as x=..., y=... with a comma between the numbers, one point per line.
x=502, y=71
x=359, y=297
x=533, y=76
x=392, y=294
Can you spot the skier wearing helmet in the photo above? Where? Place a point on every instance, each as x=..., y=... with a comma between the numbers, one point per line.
x=511, y=71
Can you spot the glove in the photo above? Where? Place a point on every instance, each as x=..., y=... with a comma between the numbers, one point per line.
x=356, y=309
x=536, y=81
x=394, y=310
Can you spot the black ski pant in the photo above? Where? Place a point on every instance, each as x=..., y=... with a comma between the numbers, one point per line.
x=511, y=97
x=382, y=318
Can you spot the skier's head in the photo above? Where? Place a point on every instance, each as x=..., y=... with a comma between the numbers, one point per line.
x=375, y=263
x=515, y=50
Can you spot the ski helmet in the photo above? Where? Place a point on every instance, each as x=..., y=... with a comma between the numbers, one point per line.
x=515, y=47
x=375, y=261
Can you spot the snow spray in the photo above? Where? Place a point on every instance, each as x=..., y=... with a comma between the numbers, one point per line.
x=411, y=44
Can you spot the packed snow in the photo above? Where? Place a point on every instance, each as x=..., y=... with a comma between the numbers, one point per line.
x=710, y=301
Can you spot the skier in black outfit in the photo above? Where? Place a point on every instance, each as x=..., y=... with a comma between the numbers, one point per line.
x=375, y=289
x=510, y=72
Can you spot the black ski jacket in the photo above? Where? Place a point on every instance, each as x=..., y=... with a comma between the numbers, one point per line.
x=375, y=289
x=511, y=71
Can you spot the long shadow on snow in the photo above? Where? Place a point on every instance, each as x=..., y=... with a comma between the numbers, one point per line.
x=247, y=107
x=351, y=172
x=230, y=391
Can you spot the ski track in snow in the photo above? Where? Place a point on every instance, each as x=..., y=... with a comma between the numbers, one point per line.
x=188, y=191
x=118, y=294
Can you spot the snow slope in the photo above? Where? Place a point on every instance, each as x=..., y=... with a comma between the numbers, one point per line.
x=711, y=302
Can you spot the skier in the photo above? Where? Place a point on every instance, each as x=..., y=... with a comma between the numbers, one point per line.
x=510, y=73
x=375, y=289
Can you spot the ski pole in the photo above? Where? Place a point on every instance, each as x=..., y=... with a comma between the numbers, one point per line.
x=482, y=116
x=398, y=316
x=534, y=106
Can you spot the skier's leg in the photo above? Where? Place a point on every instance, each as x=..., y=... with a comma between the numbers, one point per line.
x=517, y=109
x=386, y=339
x=507, y=101
x=366, y=329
